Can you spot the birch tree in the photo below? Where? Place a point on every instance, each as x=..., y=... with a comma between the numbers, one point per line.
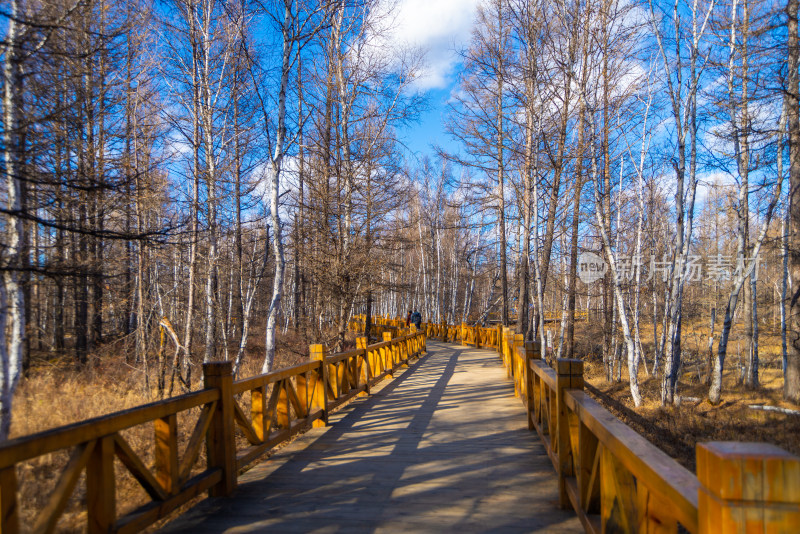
x=12, y=316
x=682, y=80
x=792, y=375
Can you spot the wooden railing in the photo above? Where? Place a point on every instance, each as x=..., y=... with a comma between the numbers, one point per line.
x=380, y=326
x=555, y=316
x=476, y=336
x=617, y=481
x=281, y=404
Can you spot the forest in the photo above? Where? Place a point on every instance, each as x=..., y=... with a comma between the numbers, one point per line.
x=194, y=180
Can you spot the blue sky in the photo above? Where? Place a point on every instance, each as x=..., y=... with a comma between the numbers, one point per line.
x=440, y=28
x=430, y=129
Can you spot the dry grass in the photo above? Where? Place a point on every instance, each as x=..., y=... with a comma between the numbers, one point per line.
x=54, y=395
x=677, y=430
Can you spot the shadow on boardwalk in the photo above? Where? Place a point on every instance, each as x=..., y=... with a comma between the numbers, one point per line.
x=442, y=448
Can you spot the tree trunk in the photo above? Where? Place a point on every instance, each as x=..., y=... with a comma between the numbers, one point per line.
x=792, y=376
x=274, y=195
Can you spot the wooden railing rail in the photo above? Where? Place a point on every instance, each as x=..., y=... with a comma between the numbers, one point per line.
x=467, y=335
x=617, y=481
x=281, y=403
x=555, y=316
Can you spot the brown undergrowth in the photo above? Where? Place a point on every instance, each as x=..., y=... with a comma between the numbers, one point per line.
x=56, y=392
x=677, y=429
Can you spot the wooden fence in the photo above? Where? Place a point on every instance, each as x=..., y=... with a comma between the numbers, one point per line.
x=282, y=403
x=617, y=481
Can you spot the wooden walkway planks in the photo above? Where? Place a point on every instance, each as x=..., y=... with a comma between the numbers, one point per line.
x=444, y=447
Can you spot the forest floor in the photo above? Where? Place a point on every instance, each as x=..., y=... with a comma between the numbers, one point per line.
x=677, y=429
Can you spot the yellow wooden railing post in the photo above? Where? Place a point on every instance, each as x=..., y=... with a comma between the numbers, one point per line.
x=569, y=375
x=100, y=486
x=318, y=353
x=508, y=339
x=166, y=453
x=220, y=444
x=9, y=511
x=501, y=343
x=531, y=353
x=365, y=366
x=518, y=358
x=747, y=487
x=404, y=354
x=388, y=358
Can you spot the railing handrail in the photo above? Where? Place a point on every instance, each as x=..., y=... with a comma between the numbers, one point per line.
x=649, y=464
x=47, y=441
x=246, y=384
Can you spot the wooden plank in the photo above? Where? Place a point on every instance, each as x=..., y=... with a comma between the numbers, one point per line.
x=258, y=410
x=282, y=413
x=196, y=441
x=591, y=522
x=332, y=405
x=753, y=487
x=254, y=382
x=618, y=495
x=644, y=460
x=48, y=517
x=294, y=401
x=343, y=370
x=317, y=352
x=9, y=511
x=65, y=437
x=342, y=356
x=220, y=439
x=272, y=408
x=248, y=455
x=150, y=513
x=303, y=397
x=546, y=373
x=591, y=490
x=244, y=424
x=332, y=382
x=100, y=487
x=654, y=513
x=166, y=453
x=562, y=434
x=367, y=368
x=136, y=467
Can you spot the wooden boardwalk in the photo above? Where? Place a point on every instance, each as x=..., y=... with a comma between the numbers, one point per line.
x=442, y=448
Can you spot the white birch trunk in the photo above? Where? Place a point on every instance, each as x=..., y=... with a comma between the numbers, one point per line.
x=274, y=194
x=715, y=391
x=633, y=363
x=784, y=273
x=12, y=299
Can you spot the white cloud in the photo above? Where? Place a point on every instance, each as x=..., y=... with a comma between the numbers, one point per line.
x=438, y=27
x=712, y=181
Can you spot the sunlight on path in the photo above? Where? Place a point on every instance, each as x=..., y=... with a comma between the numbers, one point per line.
x=442, y=448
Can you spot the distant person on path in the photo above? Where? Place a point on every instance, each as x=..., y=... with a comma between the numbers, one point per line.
x=408, y=319
x=416, y=318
